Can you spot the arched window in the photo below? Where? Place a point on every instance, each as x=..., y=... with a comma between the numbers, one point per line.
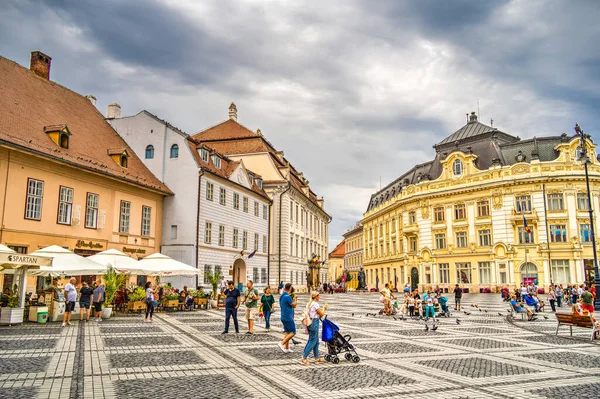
x=124, y=161
x=150, y=152
x=174, y=151
x=457, y=167
x=64, y=140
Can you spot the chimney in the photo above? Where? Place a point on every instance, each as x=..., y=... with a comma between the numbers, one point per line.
x=114, y=111
x=473, y=117
x=91, y=99
x=40, y=64
x=233, y=112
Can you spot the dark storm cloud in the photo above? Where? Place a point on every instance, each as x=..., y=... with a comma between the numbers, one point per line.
x=354, y=92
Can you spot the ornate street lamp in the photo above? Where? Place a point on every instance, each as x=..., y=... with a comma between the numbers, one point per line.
x=586, y=160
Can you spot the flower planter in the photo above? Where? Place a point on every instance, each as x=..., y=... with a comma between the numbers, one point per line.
x=171, y=303
x=135, y=306
x=106, y=312
x=10, y=316
x=200, y=301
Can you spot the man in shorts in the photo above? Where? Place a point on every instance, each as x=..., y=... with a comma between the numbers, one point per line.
x=85, y=298
x=587, y=301
x=287, y=304
x=457, y=297
x=98, y=298
x=71, y=298
x=251, y=302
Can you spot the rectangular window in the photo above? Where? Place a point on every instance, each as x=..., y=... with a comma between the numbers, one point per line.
x=246, y=204
x=296, y=246
x=221, y=235
x=555, y=202
x=584, y=233
x=209, y=191
x=412, y=244
x=236, y=201
x=263, y=275
x=204, y=155
x=582, y=202
x=124, y=217
x=483, y=208
x=291, y=244
x=256, y=241
x=461, y=239
x=463, y=272
x=439, y=214
x=91, y=211
x=484, y=272
x=265, y=245
x=485, y=238
x=207, y=271
x=296, y=213
x=265, y=211
x=444, y=273
x=255, y=275
x=245, y=240
x=65, y=205
x=222, y=196
x=302, y=248
x=523, y=203
x=291, y=211
x=35, y=193
x=207, y=232
x=524, y=236
x=558, y=233
x=561, y=272
x=216, y=161
x=256, y=209
x=251, y=179
x=440, y=241
x=412, y=219
x=236, y=238
x=459, y=212
x=173, y=232
x=146, y=220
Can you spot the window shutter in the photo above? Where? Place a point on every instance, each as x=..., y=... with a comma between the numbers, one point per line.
x=76, y=215
x=101, y=219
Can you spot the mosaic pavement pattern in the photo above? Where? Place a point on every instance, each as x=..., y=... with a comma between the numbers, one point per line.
x=184, y=355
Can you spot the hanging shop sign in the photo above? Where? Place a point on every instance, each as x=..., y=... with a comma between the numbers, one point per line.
x=88, y=244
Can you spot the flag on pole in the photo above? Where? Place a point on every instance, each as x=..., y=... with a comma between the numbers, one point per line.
x=525, y=225
x=240, y=255
x=252, y=254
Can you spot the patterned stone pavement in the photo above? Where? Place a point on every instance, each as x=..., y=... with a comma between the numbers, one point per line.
x=183, y=355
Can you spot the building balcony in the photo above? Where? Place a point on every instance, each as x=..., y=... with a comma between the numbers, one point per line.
x=410, y=229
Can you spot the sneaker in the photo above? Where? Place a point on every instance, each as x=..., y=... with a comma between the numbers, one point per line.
x=280, y=345
x=69, y=324
x=225, y=332
x=249, y=333
x=289, y=350
x=63, y=324
x=267, y=330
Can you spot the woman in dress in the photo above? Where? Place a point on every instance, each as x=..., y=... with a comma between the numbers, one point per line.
x=314, y=311
x=149, y=302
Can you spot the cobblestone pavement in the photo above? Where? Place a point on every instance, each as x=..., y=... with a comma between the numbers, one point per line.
x=183, y=355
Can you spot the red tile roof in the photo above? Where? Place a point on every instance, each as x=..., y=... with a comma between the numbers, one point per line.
x=29, y=104
x=339, y=251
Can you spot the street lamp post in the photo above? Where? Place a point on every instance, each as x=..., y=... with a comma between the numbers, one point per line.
x=586, y=161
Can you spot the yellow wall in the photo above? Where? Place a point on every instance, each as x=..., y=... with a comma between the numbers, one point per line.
x=336, y=267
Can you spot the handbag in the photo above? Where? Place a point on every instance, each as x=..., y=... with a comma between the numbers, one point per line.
x=306, y=320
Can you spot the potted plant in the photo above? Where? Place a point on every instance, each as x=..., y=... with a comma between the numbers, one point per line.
x=171, y=298
x=136, y=299
x=12, y=314
x=200, y=298
x=110, y=291
x=214, y=279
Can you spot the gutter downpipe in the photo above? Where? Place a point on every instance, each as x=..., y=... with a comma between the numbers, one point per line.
x=279, y=251
x=198, y=224
x=164, y=162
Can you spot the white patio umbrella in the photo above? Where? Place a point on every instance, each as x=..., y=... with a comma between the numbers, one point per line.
x=162, y=265
x=121, y=262
x=11, y=261
x=66, y=263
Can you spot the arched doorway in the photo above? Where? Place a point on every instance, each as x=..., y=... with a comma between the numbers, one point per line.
x=414, y=278
x=239, y=274
x=529, y=273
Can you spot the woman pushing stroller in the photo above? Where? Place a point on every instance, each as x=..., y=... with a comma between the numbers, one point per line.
x=313, y=312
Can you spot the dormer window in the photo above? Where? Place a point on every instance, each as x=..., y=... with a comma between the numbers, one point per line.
x=216, y=161
x=204, y=155
x=251, y=178
x=120, y=156
x=457, y=167
x=259, y=183
x=174, y=151
x=60, y=134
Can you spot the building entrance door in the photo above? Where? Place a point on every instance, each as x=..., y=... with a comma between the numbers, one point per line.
x=529, y=273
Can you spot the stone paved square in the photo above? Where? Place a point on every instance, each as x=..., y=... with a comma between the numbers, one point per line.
x=169, y=358
x=108, y=330
x=477, y=367
x=574, y=359
x=482, y=343
x=18, y=393
x=387, y=348
x=141, y=341
x=29, y=343
x=23, y=365
x=583, y=391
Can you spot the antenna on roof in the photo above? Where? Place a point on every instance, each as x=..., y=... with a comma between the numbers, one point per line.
x=478, y=113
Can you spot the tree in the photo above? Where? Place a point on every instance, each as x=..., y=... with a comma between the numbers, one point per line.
x=214, y=279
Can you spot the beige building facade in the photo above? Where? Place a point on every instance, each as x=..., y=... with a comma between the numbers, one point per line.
x=491, y=210
x=353, y=259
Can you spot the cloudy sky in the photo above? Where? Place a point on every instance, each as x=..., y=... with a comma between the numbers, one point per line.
x=354, y=92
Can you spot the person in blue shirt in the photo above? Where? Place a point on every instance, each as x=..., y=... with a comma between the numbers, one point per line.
x=520, y=308
x=530, y=300
x=232, y=303
x=287, y=304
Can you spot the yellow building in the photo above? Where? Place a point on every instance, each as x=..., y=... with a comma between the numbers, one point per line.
x=490, y=210
x=336, y=261
x=353, y=258
x=66, y=177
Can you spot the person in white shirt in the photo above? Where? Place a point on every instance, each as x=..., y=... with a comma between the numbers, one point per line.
x=70, y=298
x=314, y=311
x=223, y=284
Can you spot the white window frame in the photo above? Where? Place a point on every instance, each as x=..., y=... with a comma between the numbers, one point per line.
x=256, y=209
x=461, y=239
x=558, y=233
x=524, y=236
x=265, y=212
x=209, y=191
x=561, y=271
x=457, y=167
x=483, y=205
x=236, y=238
x=124, y=216
x=65, y=205
x=437, y=212
x=236, y=201
x=221, y=235
x=207, y=232
x=444, y=273
x=485, y=237
x=245, y=202
x=91, y=210
x=582, y=202
x=204, y=155
x=523, y=203
x=460, y=211
x=582, y=229
x=556, y=202
x=146, y=220
x=440, y=241
x=34, y=201
x=222, y=196
x=484, y=269
x=245, y=240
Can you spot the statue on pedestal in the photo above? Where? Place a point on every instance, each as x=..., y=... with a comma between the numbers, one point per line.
x=362, y=284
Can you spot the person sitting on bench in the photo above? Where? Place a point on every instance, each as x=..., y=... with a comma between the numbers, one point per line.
x=519, y=307
x=532, y=301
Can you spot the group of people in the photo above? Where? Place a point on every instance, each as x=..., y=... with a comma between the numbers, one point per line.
x=412, y=303
x=88, y=297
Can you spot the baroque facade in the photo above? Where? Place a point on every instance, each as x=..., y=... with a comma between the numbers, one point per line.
x=298, y=221
x=67, y=178
x=219, y=214
x=353, y=259
x=490, y=210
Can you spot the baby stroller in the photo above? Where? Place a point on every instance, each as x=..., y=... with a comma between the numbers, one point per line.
x=443, y=301
x=337, y=343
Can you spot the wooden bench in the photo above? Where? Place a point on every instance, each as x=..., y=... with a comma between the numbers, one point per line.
x=577, y=321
